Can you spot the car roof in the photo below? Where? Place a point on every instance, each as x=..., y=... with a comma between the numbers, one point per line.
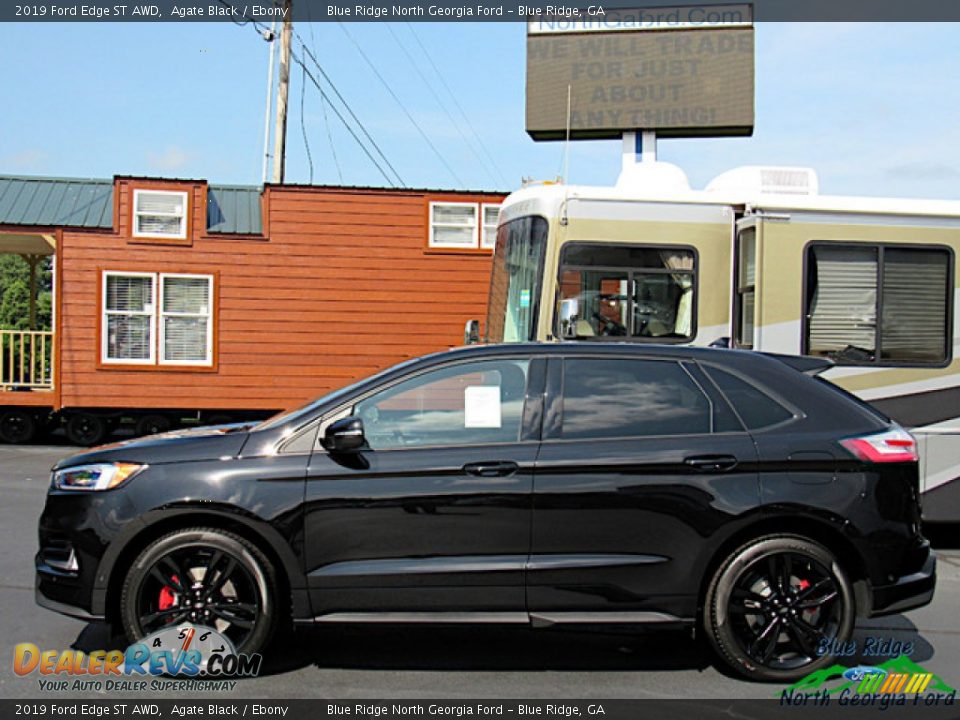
x=598, y=348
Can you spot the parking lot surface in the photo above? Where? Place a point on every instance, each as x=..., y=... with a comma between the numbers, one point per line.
x=437, y=662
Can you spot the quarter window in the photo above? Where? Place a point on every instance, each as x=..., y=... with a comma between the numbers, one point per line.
x=609, y=398
x=159, y=213
x=878, y=304
x=629, y=291
x=157, y=317
x=756, y=408
x=468, y=404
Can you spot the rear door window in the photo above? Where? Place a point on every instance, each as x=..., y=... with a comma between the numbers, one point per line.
x=615, y=397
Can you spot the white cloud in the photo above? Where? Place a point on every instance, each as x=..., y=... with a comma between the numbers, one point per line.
x=170, y=159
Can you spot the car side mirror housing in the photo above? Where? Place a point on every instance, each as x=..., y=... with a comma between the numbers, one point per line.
x=344, y=435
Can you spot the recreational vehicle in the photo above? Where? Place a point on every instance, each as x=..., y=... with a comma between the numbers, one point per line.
x=758, y=260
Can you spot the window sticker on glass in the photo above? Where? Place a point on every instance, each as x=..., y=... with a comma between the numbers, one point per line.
x=524, y=298
x=481, y=406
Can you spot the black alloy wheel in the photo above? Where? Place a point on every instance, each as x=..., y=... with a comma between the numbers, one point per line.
x=17, y=427
x=203, y=576
x=86, y=429
x=777, y=606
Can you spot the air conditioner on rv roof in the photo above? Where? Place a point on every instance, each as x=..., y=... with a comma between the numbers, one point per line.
x=754, y=179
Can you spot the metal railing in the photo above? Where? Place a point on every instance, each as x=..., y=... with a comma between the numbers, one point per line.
x=26, y=360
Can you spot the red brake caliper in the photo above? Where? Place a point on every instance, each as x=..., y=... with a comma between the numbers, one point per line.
x=804, y=584
x=168, y=598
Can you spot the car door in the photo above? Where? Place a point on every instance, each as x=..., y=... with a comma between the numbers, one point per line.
x=641, y=462
x=432, y=515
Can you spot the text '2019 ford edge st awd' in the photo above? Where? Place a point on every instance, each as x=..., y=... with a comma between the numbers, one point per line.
x=544, y=484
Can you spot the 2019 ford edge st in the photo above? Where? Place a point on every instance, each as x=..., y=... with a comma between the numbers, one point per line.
x=544, y=484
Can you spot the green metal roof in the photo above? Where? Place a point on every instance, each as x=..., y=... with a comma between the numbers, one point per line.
x=234, y=209
x=72, y=202
x=88, y=203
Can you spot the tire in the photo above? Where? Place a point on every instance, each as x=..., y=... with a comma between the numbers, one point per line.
x=764, y=633
x=245, y=595
x=17, y=426
x=153, y=424
x=86, y=429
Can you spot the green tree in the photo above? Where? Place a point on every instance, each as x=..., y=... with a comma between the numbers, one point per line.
x=15, y=293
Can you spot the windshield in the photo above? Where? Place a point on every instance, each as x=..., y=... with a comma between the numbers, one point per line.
x=515, y=282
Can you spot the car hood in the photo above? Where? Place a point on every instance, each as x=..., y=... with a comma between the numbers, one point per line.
x=205, y=443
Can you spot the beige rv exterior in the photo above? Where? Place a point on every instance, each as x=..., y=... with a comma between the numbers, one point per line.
x=767, y=297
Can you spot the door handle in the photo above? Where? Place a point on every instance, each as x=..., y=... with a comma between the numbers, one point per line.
x=712, y=463
x=491, y=469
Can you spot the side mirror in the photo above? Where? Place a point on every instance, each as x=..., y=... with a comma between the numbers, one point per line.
x=471, y=332
x=569, y=312
x=345, y=435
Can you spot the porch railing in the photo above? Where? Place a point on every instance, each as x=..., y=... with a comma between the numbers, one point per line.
x=26, y=360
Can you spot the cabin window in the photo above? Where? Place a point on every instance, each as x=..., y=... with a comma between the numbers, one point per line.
x=462, y=225
x=878, y=304
x=151, y=318
x=186, y=330
x=159, y=213
x=641, y=292
x=490, y=215
x=129, y=300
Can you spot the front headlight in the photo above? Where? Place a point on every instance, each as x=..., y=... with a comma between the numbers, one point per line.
x=101, y=476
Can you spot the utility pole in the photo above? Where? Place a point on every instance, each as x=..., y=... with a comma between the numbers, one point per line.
x=267, y=111
x=283, y=90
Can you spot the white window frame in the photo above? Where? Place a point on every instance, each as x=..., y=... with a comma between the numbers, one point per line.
x=485, y=225
x=477, y=220
x=105, y=325
x=162, y=326
x=157, y=330
x=136, y=214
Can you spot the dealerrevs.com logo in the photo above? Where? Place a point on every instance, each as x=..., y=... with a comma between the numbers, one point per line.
x=179, y=657
x=898, y=682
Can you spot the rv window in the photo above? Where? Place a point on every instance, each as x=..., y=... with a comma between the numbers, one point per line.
x=630, y=291
x=128, y=310
x=159, y=213
x=878, y=304
x=746, y=287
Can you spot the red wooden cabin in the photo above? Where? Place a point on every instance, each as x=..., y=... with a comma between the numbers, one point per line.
x=176, y=300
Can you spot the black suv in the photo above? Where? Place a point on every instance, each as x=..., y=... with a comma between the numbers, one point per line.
x=542, y=484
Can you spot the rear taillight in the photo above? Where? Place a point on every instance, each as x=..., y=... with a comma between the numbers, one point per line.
x=895, y=445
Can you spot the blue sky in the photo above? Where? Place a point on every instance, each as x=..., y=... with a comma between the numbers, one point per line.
x=872, y=107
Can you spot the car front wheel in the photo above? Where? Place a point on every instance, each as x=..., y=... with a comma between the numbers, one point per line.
x=777, y=606
x=205, y=576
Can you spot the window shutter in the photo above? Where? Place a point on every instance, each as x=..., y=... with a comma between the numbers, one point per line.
x=844, y=307
x=914, y=317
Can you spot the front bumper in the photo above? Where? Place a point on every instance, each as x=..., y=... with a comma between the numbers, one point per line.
x=910, y=591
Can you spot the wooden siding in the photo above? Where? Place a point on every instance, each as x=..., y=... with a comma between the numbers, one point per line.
x=341, y=285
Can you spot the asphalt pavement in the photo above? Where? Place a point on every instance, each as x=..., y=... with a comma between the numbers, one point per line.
x=437, y=662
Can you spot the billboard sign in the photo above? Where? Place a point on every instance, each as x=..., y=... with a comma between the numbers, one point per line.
x=682, y=72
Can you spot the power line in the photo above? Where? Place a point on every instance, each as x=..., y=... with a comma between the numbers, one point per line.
x=453, y=97
x=442, y=104
x=363, y=147
x=403, y=107
x=303, y=124
x=346, y=105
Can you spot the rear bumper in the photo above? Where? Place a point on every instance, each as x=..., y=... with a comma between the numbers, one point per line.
x=909, y=591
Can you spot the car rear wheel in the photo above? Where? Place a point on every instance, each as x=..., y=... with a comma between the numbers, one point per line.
x=204, y=576
x=775, y=607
